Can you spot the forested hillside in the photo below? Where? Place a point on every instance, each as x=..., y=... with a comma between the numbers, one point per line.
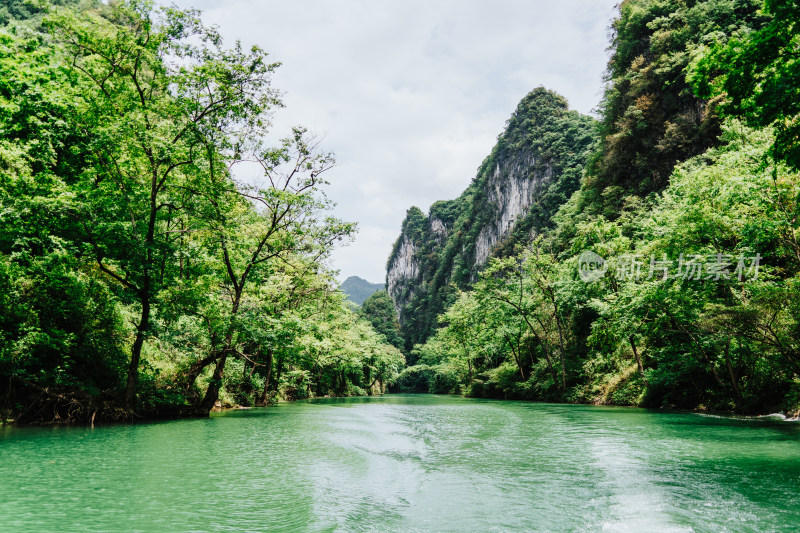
x=535, y=166
x=671, y=275
x=138, y=276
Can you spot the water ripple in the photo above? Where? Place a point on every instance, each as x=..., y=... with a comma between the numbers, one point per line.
x=407, y=463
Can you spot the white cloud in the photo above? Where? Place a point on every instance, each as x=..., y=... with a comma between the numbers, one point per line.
x=412, y=94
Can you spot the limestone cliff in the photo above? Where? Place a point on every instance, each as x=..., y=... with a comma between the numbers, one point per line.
x=535, y=166
x=404, y=268
x=512, y=189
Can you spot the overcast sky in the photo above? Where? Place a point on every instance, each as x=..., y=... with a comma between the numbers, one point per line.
x=411, y=95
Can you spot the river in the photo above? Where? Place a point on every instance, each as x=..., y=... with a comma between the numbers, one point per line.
x=407, y=463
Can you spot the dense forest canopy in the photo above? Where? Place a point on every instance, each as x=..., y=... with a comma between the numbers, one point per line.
x=688, y=210
x=138, y=276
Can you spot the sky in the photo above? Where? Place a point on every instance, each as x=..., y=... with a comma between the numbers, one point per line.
x=411, y=95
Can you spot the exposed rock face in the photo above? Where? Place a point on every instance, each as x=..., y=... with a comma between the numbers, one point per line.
x=438, y=229
x=534, y=167
x=509, y=192
x=512, y=190
x=402, y=272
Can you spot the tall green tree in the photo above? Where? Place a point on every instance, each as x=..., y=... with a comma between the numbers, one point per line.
x=379, y=311
x=758, y=76
x=164, y=104
x=288, y=219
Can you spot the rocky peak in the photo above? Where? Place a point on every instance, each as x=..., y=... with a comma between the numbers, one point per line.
x=535, y=166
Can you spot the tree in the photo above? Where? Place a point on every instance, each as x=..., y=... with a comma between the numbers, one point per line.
x=123, y=224
x=379, y=311
x=164, y=104
x=525, y=286
x=286, y=220
x=463, y=327
x=758, y=75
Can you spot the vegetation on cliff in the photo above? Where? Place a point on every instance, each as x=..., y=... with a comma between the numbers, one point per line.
x=545, y=144
x=690, y=295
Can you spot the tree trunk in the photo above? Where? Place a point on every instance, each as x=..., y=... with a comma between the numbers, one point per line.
x=737, y=393
x=517, y=354
x=560, y=343
x=196, y=368
x=136, y=355
x=265, y=393
x=214, y=386
x=144, y=296
x=553, y=371
x=278, y=372
x=636, y=355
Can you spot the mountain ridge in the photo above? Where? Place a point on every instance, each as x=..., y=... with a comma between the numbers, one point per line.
x=358, y=289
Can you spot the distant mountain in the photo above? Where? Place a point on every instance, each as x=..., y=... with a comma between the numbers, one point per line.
x=358, y=289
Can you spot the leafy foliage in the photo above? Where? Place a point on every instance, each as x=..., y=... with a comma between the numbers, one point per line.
x=533, y=329
x=674, y=183
x=379, y=311
x=139, y=277
x=651, y=117
x=758, y=74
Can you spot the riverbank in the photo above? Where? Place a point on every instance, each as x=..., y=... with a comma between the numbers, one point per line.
x=113, y=413
x=612, y=387
x=188, y=412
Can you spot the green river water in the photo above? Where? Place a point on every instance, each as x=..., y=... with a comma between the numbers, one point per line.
x=407, y=463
